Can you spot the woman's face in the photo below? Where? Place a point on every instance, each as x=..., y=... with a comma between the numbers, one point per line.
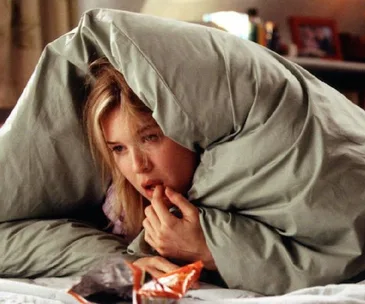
x=145, y=156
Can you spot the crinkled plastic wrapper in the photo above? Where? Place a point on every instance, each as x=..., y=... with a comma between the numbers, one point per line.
x=109, y=282
x=118, y=281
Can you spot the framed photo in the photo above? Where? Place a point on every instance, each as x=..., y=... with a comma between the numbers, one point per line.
x=315, y=37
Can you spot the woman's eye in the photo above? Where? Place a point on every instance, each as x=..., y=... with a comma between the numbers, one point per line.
x=150, y=138
x=117, y=149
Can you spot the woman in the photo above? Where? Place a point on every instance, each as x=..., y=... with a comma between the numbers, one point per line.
x=150, y=173
x=279, y=181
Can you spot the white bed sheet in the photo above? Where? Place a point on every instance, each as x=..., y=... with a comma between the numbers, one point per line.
x=53, y=291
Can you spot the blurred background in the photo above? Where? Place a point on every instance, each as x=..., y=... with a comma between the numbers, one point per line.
x=26, y=26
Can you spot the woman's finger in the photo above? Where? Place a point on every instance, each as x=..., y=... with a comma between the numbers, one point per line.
x=146, y=265
x=149, y=239
x=156, y=265
x=152, y=217
x=164, y=265
x=187, y=208
x=153, y=271
x=147, y=226
x=160, y=207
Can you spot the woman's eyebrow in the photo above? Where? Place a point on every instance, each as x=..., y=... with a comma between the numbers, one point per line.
x=146, y=128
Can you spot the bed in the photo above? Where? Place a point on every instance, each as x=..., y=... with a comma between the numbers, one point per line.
x=54, y=291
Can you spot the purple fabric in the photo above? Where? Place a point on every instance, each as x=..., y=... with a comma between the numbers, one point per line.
x=116, y=220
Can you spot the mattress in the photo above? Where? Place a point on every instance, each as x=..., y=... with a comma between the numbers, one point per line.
x=54, y=291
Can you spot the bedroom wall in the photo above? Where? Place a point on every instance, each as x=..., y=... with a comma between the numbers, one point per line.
x=350, y=14
x=129, y=5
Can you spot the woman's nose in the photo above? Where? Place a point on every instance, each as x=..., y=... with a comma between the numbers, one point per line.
x=140, y=161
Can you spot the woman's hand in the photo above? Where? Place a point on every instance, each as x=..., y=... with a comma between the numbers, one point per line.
x=173, y=237
x=155, y=266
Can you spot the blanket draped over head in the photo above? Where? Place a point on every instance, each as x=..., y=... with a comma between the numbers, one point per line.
x=281, y=183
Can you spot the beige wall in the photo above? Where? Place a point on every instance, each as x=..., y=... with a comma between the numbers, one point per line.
x=350, y=14
x=129, y=5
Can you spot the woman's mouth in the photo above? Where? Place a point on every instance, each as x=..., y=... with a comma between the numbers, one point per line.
x=150, y=186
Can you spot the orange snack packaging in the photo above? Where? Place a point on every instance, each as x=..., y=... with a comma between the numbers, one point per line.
x=166, y=289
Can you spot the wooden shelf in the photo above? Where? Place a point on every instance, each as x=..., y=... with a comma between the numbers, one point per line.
x=344, y=76
x=330, y=65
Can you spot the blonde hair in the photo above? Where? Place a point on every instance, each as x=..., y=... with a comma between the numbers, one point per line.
x=109, y=90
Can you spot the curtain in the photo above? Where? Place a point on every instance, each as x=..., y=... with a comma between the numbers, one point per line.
x=26, y=26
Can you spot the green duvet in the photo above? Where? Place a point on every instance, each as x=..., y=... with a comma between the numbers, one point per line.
x=281, y=183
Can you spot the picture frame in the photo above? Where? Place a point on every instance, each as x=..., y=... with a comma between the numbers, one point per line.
x=316, y=37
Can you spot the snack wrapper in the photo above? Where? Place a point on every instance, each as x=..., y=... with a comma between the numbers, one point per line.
x=110, y=280
x=118, y=280
x=168, y=288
